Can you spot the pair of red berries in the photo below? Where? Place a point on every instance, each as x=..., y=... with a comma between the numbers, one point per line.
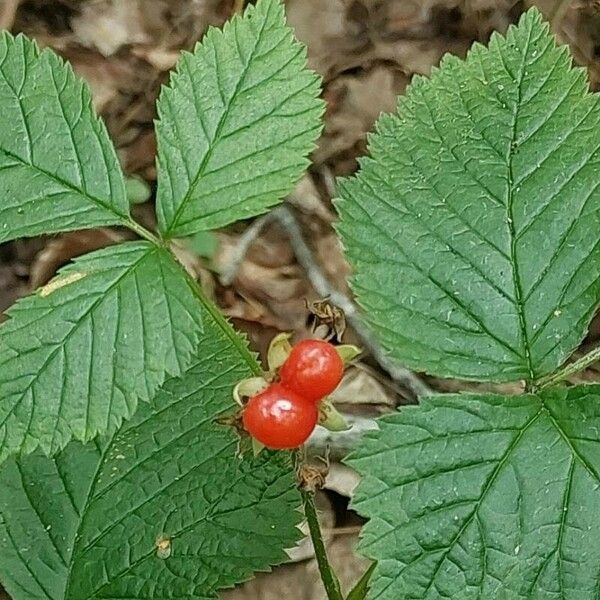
x=285, y=414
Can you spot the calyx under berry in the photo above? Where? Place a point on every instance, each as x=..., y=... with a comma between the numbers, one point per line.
x=293, y=391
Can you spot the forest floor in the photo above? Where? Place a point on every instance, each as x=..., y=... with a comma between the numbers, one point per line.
x=262, y=273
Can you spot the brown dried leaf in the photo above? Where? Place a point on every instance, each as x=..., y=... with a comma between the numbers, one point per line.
x=342, y=479
x=359, y=386
x=308, y=201
x=354, y=104
x=108, y=25
x=8, y=11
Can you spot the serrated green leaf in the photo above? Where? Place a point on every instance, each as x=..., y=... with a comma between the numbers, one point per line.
x=76, y=357
x=473, y=228
x=58, y=168
x=236, y=123
x=473, y=497
x=166, y=509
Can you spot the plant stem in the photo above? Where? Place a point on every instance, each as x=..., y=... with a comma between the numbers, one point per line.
x=142, y=232
x=570, y=369
x=236, y=339
x=330, y=581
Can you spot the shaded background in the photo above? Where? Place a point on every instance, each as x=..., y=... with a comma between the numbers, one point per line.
x=261, y=273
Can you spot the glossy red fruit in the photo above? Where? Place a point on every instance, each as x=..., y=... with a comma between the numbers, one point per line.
x=280, y=418
x=313, y=369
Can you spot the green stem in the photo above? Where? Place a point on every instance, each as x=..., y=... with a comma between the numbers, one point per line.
x=209, y=306
x=142, y=231
x=330, y=581
x=236, y=339
x=570, y=369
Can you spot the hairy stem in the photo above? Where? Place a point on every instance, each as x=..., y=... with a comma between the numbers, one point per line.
x=330, y=581
x=570, y=369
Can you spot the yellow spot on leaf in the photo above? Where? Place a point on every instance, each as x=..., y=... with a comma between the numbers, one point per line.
x=163, y=547
x=59, y=282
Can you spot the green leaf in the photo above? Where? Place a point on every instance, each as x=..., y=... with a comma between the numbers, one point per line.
x=473, y=228
x=58, y=168
x=76, y=357
x=474, y=497
x=236, y=123
x=166, y=509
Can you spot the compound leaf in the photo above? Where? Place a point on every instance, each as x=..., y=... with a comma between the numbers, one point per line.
x=236, y=123
x=77, y=356
x=473, y=227
x=485, y=497
x=164, y=509
x=58, y=168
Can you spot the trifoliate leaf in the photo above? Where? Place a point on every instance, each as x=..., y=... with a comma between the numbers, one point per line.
x=473, y=228
x=236, y=123
x=76, y=357
x=58, y=168
x=474, y=497
x=164, y=509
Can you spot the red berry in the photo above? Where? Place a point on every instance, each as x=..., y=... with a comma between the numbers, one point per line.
x=313, y=369
x=280, y=418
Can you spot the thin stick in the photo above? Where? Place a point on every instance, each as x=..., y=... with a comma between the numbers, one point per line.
x=323, y=287
x=330, y=581
x=245, y=241
x=570, y=369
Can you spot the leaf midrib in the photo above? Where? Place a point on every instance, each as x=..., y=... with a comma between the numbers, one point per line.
x=488, y=484
x=83, y=512
x=216, y=137
x=122, y=217
x=525, y=344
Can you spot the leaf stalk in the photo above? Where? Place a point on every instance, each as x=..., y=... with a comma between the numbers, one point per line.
x=328, y=576
x=570, y=369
